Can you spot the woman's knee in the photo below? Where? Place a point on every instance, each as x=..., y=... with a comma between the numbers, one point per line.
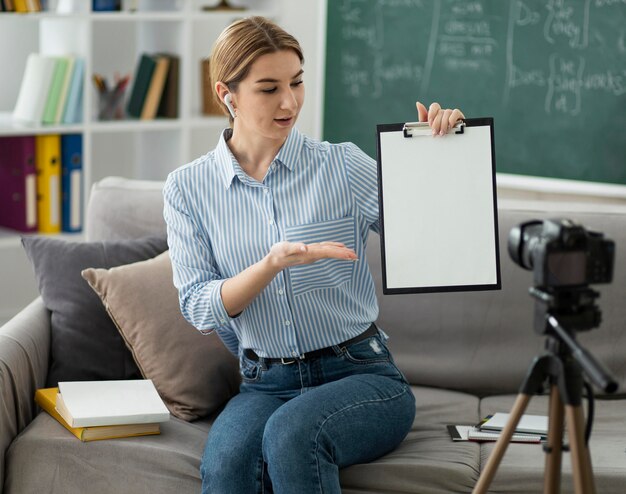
x=231, y=470
x=287, y=436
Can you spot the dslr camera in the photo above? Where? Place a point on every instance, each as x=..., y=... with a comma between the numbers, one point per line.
x=565, y=258
x=562, y=253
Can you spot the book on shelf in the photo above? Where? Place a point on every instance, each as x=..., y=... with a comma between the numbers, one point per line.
x=155, y=88
x=46, y=399
x=23, y=6
x=20, y=6
x=18, y=183
x=48, y=166
x=106, y=5
x=168, y=108
x=51, y=90
x=54, y=92
x=473, y=433
x=65, y=88
x=99, y=403
x=71, y=182
x=141, y=84
x=33, y=94
x=73, y=111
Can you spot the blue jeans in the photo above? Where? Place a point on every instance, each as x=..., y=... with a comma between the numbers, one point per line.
x=292, y=427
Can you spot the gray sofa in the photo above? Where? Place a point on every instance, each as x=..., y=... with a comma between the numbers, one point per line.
x=465, y=354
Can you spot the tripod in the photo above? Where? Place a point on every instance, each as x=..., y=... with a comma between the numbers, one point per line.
x=562, y=365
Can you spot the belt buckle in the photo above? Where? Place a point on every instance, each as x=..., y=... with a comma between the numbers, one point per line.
x=291, y=360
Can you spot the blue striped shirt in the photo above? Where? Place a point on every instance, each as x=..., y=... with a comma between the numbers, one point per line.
x=220, y=221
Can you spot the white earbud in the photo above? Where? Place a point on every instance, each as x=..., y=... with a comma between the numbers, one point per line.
x=228, y=101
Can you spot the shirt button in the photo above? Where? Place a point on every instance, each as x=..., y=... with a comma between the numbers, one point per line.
x=271, y=222
x=287, y=323
x=266, y=191
x=280, y=292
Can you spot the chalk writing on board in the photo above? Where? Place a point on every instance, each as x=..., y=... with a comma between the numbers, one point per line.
x=552, y=66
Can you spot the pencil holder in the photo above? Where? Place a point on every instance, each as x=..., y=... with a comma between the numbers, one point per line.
x=111, y=104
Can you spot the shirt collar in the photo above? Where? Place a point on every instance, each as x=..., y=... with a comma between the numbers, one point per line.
x=288, y=154
x=225, y=159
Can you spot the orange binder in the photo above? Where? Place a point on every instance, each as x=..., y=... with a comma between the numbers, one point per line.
x=48, y=166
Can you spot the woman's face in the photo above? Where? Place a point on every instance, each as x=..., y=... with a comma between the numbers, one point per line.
x=269, y=99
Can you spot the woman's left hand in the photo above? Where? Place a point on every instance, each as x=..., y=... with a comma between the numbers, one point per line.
x=440, y=120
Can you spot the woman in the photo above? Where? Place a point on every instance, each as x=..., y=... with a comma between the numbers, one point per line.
x=265, y=234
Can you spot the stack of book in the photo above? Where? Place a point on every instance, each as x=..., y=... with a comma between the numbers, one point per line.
x=155, y=87
x=51, y=92
x=96, y=410
x=41, y=183
x=530, y=429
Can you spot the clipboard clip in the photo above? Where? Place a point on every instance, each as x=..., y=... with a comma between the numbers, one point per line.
x=412, y=129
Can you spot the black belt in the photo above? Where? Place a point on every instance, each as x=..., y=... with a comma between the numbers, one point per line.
x=369, y=332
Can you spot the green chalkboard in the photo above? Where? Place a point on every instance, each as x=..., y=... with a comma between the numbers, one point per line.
x=552, y=73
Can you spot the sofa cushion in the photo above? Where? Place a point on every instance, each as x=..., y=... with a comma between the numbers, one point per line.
x=121, y=208
x=427, y=461
x=46, y=457
x=85, y=344
x=193, y=373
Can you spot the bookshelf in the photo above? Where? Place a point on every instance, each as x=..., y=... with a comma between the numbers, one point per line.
x=111, y=42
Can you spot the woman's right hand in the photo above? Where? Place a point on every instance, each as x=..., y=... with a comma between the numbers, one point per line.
x=286, y=254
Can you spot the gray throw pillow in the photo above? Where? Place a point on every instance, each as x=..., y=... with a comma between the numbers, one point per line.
x=85, y=345
x=194, y=374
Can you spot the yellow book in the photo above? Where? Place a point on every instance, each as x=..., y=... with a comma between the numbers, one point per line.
x=46, y=399
x=48, y=166
x=20, y=6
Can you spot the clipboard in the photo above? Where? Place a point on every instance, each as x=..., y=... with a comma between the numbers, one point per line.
x=438, y=208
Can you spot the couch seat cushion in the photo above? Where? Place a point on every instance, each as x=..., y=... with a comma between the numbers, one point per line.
x=427, y=461
x=46, y=457
x=522, y=467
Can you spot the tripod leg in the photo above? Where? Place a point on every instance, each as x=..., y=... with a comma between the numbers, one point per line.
x=486, y=477
x=581, y=460
x=553, y=448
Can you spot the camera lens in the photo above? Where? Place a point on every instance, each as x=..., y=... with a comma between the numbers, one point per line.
x=522, y=239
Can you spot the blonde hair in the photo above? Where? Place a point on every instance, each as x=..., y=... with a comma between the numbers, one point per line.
x=240, y=45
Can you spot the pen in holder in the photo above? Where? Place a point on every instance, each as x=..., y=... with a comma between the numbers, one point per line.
x=111, y=100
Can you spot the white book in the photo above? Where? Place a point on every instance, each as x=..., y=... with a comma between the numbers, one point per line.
x=532, y=424
x=95, y=403
x=33, y=95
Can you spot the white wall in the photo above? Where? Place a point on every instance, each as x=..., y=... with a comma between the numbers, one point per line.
x=306, y=21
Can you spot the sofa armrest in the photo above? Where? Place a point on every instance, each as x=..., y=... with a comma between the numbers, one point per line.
x=24, y=349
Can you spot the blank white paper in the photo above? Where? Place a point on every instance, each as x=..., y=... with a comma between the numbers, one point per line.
x=438, y=206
